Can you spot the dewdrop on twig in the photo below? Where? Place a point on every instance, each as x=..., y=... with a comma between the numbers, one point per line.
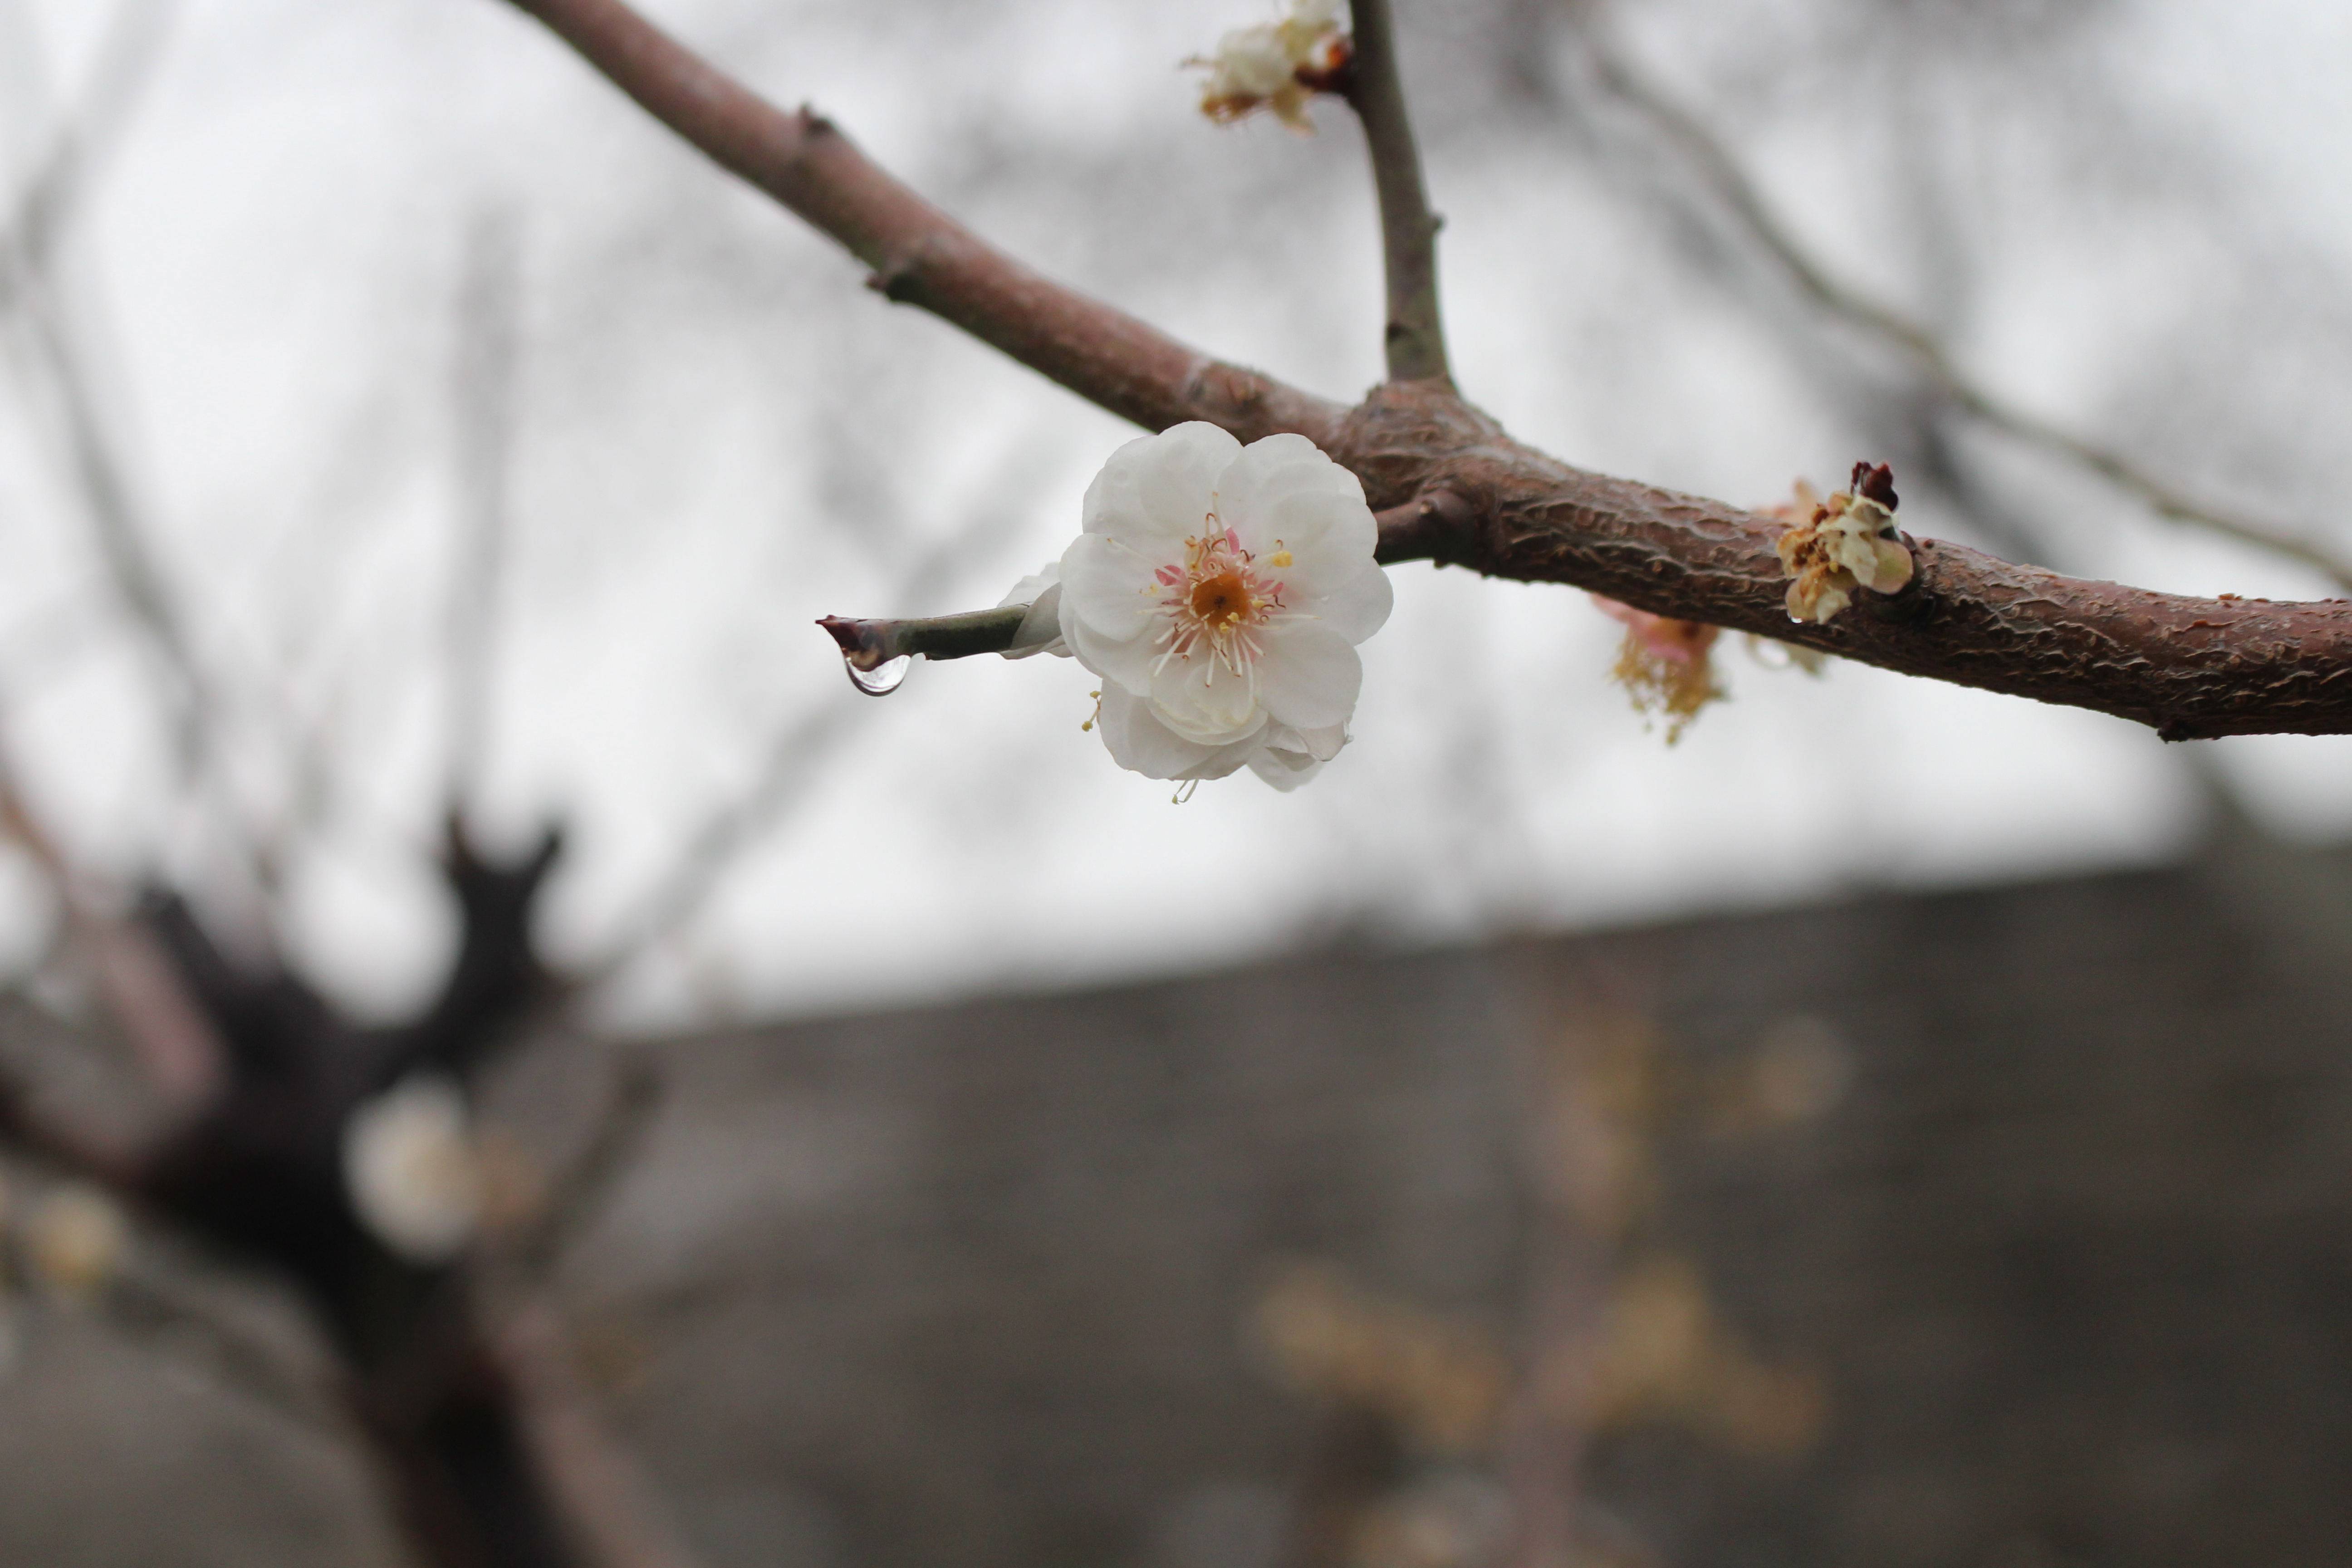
x=1833, y=547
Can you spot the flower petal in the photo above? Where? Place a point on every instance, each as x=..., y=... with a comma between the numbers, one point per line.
x=1126, y=664
x=1109, y=586
x=1286, y=770
x=1142, y=744
x=1321, y=744
x=1311, y=675
x=1041, y=628
x=1202, y=700
x=1325, y=531
x=1254, y=485
x=1356, y=609
x=1156, y=491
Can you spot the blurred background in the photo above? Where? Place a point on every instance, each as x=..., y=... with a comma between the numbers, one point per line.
x=1890, y=1124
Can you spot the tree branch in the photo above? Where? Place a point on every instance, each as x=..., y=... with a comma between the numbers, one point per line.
x=1412, y=532
x=868, y=645
x=2191, y=668
x=1414, y=336
x=176, y=1043
x=482, y=394
x=1746, y=206
x=918, y=255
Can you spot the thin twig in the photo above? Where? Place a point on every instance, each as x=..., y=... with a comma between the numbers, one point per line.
x=175, y=1043
x=146, y=1302
x=47, y=200
x=610, y=1511
x=585, y=1184
x=1414, y=337
x=483, y=397
x=1740, y=196
x=787, y=772
x=868, y=645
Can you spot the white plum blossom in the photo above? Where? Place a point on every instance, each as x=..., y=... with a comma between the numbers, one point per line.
x=1270, y=66
x=1220, y=592
x=410, y=1166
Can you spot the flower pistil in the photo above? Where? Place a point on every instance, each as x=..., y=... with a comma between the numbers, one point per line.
x=1217, y=600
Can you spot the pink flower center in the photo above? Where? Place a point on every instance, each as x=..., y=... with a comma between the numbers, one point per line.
x=1216, y=602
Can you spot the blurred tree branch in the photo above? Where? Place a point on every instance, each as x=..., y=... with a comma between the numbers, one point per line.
x=796, y=753
x=1738, y=196
x=917, y=253
x=483, y=395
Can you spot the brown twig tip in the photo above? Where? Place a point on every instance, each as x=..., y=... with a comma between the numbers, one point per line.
x=1873, y=481
x=1334, y=72
x=861, y=642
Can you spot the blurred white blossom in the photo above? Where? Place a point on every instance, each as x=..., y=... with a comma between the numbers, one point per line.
x=410, y=1164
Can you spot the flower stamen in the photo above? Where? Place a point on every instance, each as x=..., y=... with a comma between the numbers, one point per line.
x=1215, y=601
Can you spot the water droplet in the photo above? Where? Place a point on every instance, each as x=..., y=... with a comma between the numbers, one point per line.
x=884, y=678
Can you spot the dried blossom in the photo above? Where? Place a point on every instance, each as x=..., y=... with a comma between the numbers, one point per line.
x=1276, y=65
x=1848, y=542
x=1664, y=664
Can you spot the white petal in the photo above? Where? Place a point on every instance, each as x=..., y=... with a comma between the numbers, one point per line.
x=1328, y=534
x=1321, y=745
x=1202, y=700
x=1109, y=586
x=1127, y=664
x=1311, y=675
x=1356, y=609
x=1142, y=744
x=1026, y=591
x=1252, y=489
x=1041, y=630
x=1156, y=491
x=1286, y=770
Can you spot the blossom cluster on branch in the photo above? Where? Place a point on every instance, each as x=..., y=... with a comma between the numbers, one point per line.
x=1837, y=545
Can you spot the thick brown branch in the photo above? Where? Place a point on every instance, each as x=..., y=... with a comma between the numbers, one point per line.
x=1415, y=333
x=2191, y=668
x=918, y=255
